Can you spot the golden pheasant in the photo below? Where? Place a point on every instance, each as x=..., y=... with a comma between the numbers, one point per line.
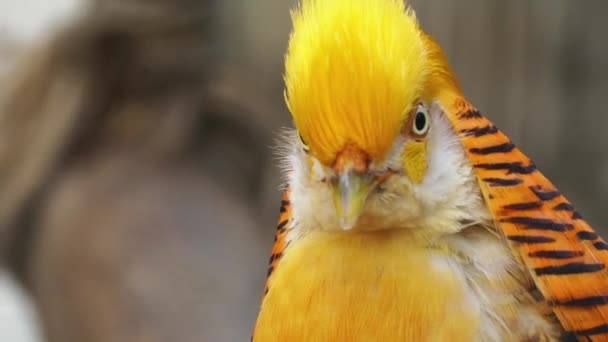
x=407, y=215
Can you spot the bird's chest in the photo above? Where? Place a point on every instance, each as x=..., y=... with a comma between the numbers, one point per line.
x=366, y=287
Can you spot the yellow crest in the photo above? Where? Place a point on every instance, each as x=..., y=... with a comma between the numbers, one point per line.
x=353, y=70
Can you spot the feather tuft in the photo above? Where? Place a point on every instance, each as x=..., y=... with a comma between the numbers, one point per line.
x=340, y=88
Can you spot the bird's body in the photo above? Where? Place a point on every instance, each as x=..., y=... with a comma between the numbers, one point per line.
x=364, y=286
x=408, y=216
x=359, y=278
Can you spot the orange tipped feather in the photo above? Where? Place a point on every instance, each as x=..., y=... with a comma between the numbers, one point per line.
x=562, y=253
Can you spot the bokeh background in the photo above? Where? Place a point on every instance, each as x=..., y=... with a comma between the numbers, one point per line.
x=138, y=191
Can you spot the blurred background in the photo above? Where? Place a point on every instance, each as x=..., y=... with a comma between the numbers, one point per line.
x=138, y=191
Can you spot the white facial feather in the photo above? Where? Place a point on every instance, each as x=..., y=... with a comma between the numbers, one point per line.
x=447, y=198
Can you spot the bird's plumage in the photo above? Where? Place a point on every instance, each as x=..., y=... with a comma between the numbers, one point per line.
x=455, y=218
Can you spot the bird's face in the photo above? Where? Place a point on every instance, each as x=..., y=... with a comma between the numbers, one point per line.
x=424, y=180
x=355, y=179
x=373, y=148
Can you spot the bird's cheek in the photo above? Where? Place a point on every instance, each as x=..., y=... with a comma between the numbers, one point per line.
x=415, y=160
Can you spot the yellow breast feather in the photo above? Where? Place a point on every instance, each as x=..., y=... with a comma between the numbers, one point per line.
x=384, y=291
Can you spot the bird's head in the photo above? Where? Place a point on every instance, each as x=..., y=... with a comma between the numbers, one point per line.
x=373, y=148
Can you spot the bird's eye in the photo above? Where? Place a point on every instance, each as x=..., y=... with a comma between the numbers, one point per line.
x=304, y=146
x=420, y=122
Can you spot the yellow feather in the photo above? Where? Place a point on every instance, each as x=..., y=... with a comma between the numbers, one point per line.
x=353, y=70
x=366, y=287
x=441, y=82
x=414, y=160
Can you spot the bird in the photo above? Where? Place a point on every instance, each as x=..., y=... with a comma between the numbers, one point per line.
x=406, y=214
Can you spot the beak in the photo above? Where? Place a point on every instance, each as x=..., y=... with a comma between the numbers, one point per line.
x=350, y=192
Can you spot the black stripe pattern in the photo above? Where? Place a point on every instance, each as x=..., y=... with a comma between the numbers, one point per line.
x=480, y=131
x=536, y=223
x=503, y=181
x=586, y=301
x=517, y=167
x=544, y=194
x=600, y=329
x=523, y=206
x=501, y=148
x=275, y=256
x=471, y=114
x=564, y=207
x=584, y=235
x=550, y=254
x=601, y=246
x=530, y=238
x=571, y=268
x=284, y=205
x=281, y=227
